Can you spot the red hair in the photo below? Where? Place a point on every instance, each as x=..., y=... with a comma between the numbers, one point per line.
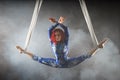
x=53, y=35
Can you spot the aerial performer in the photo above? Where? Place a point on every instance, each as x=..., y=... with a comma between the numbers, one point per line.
x=59, y=37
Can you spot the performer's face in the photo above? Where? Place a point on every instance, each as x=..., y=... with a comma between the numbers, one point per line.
x=58, y=36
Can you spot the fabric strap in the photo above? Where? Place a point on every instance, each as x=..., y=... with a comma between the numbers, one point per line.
x=33, y=22
x=88, y=21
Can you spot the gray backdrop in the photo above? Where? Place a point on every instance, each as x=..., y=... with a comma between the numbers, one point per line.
x=15, y=17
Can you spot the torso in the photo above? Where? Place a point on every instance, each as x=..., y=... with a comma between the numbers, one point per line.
x=60, y=51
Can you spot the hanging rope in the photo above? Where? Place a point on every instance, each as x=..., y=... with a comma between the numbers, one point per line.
x=88, y=21
x=33, y=22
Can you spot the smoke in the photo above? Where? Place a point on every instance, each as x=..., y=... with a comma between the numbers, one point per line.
x=104, y=65
x=15, y=66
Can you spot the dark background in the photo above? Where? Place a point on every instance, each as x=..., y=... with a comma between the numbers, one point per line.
x=15, y=17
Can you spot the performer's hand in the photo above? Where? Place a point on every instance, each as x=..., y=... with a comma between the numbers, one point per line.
x=20, y=49
x=61, y=20
x=52, y=20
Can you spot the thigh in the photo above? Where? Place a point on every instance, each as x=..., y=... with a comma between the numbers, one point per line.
x=75, y=61
x=48, y=61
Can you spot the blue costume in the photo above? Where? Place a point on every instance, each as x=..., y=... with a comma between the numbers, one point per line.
x=61, y=51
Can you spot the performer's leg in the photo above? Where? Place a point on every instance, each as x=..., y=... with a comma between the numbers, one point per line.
x=75, y=61
x=99, y=46
x=47, y=61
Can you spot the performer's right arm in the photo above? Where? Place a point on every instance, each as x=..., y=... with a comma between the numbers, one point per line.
x=52, y=27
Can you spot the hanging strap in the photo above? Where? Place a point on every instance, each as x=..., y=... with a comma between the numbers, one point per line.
x=33, y=22
x=88, y=21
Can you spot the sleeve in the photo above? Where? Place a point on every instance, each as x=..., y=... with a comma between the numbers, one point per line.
x=51, y=29
x=66, y=33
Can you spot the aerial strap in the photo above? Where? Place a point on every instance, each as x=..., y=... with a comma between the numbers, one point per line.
x=88, y=21
x=33, y=22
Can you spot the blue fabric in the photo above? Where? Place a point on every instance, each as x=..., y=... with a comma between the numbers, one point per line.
x=60, y=51
x=63, y=63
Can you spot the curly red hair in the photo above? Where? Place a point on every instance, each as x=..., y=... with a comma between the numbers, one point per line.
x=53, y=35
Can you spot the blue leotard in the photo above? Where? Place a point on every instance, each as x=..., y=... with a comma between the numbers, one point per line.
x=61, y=50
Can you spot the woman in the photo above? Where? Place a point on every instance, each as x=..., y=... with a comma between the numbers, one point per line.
x=58, y=35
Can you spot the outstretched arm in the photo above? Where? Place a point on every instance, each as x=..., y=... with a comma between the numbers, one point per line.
x=25, y=52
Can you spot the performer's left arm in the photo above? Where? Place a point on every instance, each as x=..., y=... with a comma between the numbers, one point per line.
x=66, y=33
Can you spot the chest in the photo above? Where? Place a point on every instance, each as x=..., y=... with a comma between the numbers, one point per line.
x=60, y=48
